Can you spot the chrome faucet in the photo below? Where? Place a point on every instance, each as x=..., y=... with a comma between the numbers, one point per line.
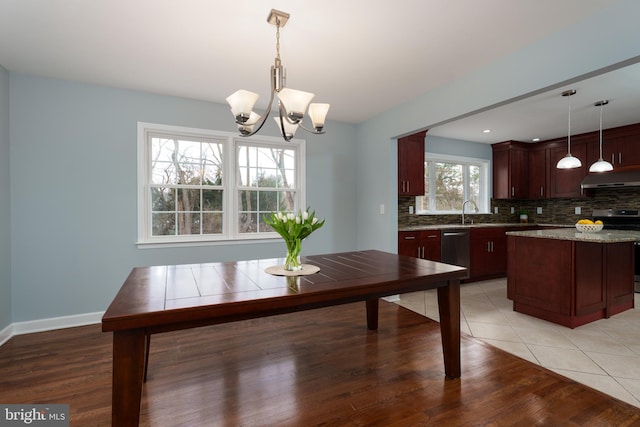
x=464, y=204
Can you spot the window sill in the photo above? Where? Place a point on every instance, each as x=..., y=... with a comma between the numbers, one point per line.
x=194, y=243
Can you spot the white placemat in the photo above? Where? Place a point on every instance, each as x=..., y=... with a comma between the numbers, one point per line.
x=278, y=270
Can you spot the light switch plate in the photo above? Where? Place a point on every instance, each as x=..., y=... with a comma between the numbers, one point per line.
x=495, y=209
x=411, y=210
x=538, y=210
x=578, y=210
x=513, y=210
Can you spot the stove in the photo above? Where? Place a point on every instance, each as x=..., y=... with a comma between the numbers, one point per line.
x=622, y=219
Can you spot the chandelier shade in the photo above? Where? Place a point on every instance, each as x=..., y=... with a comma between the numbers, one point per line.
x=569, y=161
x=292, y=104
x=601, y=165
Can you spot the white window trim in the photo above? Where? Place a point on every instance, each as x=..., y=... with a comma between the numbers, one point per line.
x=230, y=227
x=484, y=179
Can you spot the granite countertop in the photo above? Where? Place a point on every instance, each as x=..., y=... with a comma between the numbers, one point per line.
x=478, y=225
x=604, y=236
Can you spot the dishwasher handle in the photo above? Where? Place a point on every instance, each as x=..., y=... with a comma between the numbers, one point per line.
x=454, y=233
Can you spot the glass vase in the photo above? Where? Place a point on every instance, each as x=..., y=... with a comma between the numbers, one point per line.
x=292, y=261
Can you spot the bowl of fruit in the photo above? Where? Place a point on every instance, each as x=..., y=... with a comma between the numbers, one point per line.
x=588, y=226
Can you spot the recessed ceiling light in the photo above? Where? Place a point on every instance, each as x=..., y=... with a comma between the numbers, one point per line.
x=536, y=139
x=486, y=131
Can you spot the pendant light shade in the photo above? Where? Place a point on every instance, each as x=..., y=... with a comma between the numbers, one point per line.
x=568, y=161
x=601, y=165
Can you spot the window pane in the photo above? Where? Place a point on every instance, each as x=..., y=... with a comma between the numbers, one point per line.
x=212, y=200
x=162, y=199
x=211, y=223
x=163, y=224
x=247, y=200
x=247, y=222
x=188, y=223
x=449, y=186
x=188, y=199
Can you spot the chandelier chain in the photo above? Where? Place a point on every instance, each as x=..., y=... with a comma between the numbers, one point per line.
x=278, y=40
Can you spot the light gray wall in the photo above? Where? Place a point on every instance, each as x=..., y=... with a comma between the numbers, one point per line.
x=5, y=197
x=73, y=182
x=609, y=38
x=457, y=147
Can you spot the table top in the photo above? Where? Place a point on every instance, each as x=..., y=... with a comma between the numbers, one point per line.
x=603, y=236
x=159, y=295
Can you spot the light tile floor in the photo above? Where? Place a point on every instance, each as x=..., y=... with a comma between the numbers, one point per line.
x=604, y=355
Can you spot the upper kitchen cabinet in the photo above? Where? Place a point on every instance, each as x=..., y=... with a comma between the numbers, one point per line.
x=510, y=170
x=620, y=146
x=411, y=165
x=565, y=183
x=538, y=179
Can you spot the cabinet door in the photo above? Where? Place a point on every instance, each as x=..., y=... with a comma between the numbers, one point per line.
x=518, y=171
x=510, y=171
x=566, y=182
x=501, y=189
x=431, y=241
x=408, y=243
x=411, y=165
x=628, y=151
x=538, y=174
x=488, y=252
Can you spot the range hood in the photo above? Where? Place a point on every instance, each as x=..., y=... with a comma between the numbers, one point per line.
x=615, y=178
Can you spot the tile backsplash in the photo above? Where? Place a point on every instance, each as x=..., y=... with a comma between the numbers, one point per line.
x=554, y=211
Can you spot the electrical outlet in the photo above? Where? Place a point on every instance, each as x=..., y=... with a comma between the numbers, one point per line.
x=578, y=210
x=411, y=210
x=381, y=208
x=513, y=210
x=495, y=209
x=538, y=210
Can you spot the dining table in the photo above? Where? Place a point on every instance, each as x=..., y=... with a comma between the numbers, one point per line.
x=165, y=298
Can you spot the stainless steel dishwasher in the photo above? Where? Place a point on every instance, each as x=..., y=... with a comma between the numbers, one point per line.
x=454, y=248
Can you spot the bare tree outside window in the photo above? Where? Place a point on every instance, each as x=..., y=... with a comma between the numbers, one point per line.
x=186, y=187
x=449, y=183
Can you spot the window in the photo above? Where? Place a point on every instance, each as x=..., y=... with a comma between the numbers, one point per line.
x=450, y=180
x=200, y=186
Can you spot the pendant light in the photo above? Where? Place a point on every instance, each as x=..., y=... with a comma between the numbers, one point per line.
x=568, y=161
x=601, y=165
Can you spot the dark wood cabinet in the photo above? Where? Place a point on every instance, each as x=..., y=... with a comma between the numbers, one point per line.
x=488, y=248
x=423, y=244
x=566, y=182
x=569, y=282
x=411, y=165
x=528, y=171
x=537, y=165
x=620, y=146
x=510, y=170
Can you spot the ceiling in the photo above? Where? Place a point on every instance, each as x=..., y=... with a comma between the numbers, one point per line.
x=362, y=56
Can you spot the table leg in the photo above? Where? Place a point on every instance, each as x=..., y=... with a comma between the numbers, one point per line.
x=449, y=308
x=372, y=314
x=128, y=367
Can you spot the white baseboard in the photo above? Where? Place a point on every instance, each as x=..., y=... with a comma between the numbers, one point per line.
x=41, y=325
x=6, y=334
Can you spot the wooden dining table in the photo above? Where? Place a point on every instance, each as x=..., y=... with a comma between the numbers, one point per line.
x=167, y=298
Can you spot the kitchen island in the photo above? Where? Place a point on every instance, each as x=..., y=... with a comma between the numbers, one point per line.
x=568, y=277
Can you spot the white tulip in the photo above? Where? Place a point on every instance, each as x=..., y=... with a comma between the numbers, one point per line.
x=298, y=220
x=314, y=220
x=305, y=215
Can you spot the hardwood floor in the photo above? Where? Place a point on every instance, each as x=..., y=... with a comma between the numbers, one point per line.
x=320, y=367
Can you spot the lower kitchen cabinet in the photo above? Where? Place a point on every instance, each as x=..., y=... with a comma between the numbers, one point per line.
x=488, y=248
x=570, y=282
x=423, y=244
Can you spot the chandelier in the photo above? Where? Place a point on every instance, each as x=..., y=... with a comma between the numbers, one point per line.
x=292, y=104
